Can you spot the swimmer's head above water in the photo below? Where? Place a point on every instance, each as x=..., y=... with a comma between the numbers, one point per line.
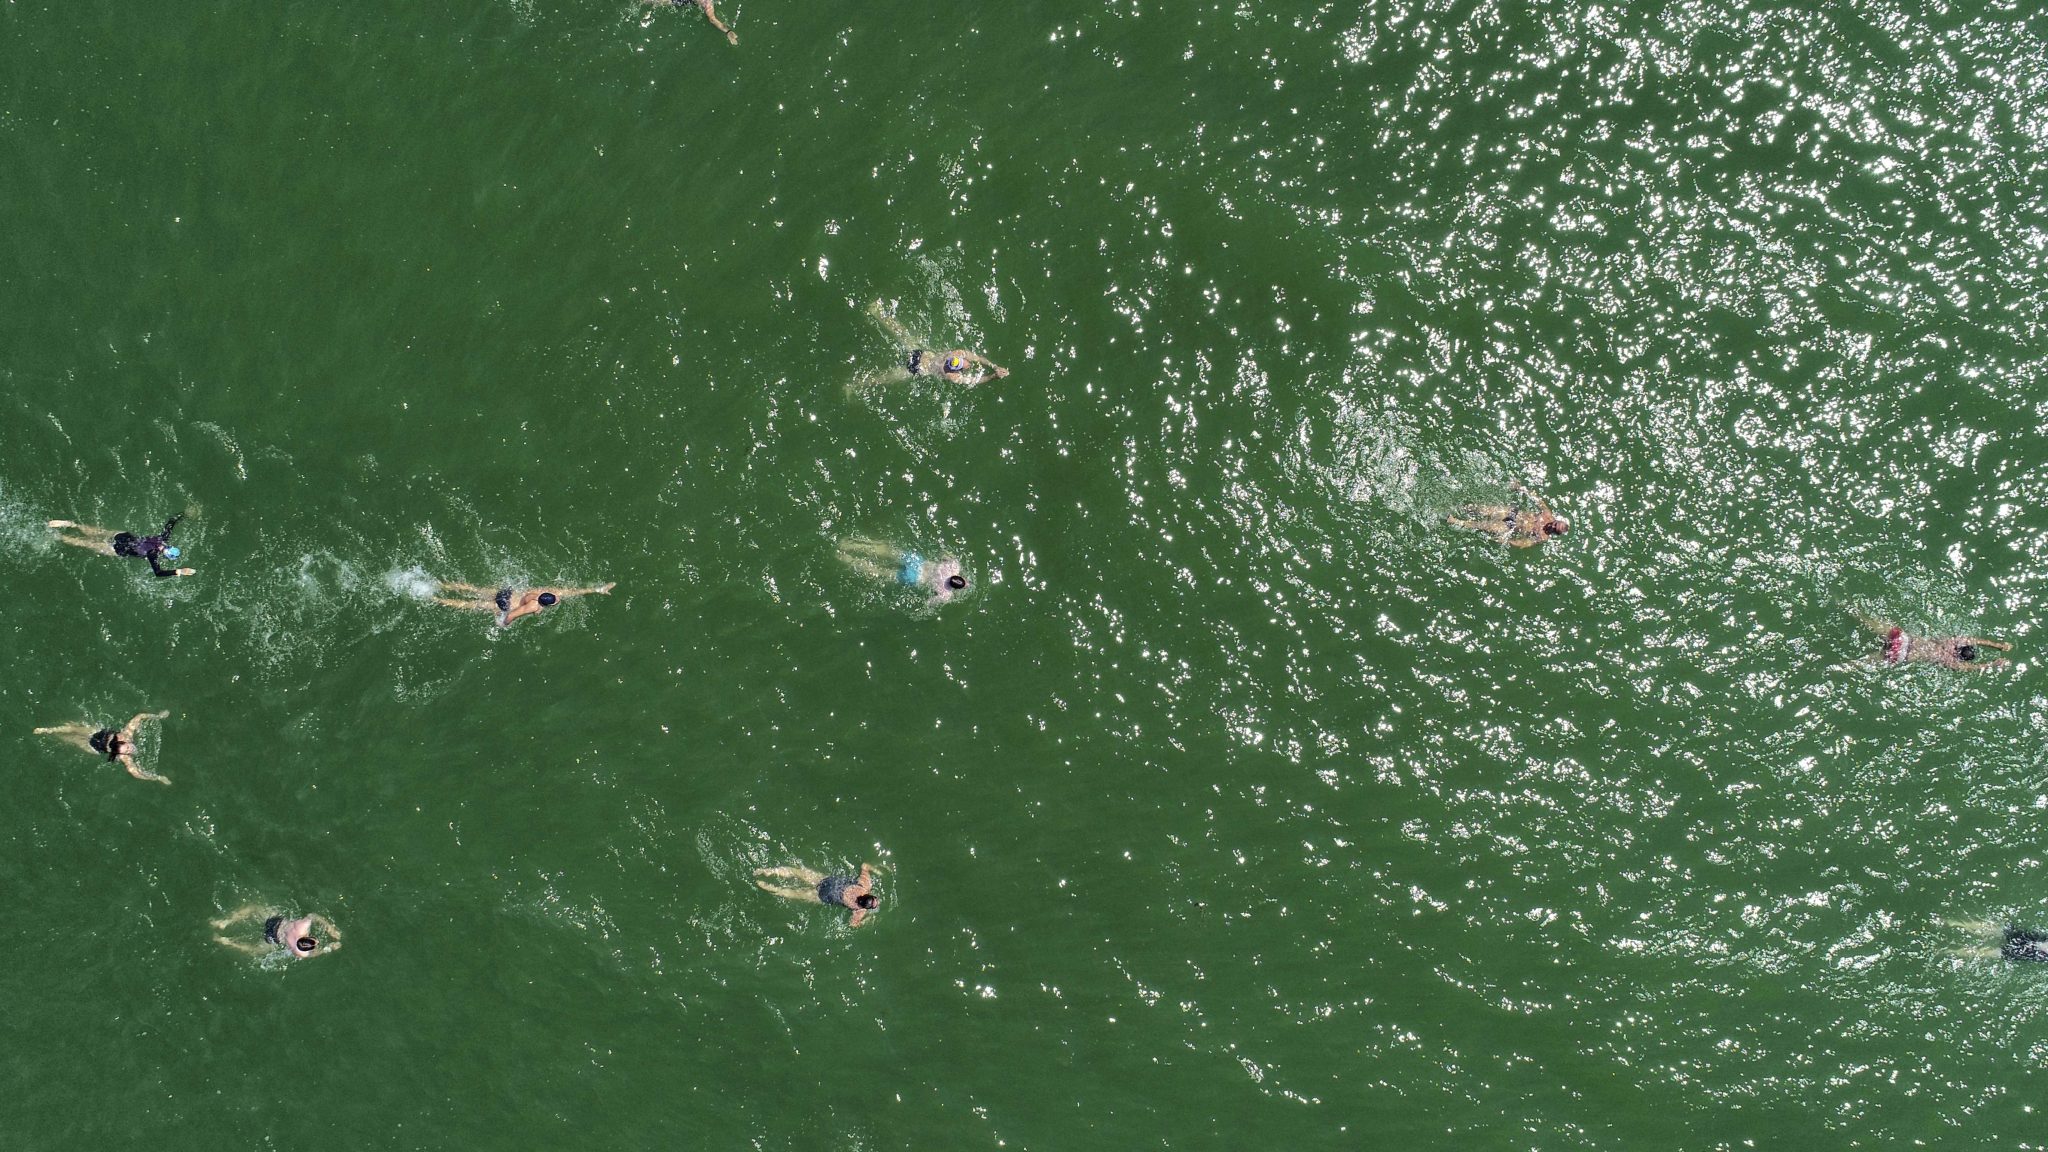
x=956, y=582
x=547, y=600
x=171, y=552
x=864, y=900
x=1966, y=652
x=1556, y=526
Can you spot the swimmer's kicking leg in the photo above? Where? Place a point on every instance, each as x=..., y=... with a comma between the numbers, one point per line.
x=79, y=734
x=896, y=329
x=247, y=913
x=871, y=557
x=477, y=599
x=804, y=886
x=84, y=536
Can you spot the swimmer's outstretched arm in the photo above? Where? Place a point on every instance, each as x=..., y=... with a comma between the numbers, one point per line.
x=1542, y=505
x=731, y=37
x=128, y=729
x=330, y=936
x=1983, y=643
x=989, y=364
x=565, y=593
x=138, y=771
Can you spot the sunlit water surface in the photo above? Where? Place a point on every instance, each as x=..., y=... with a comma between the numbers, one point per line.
x=1242, y=803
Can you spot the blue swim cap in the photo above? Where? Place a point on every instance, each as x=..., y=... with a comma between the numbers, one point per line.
x=171, y=550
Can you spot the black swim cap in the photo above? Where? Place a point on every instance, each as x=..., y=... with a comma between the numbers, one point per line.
x=956, y=582
x=547, y=599
x=306, y=944
x=1966, y=651
x=864, y=900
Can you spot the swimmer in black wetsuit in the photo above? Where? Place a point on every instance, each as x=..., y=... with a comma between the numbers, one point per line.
x=1515, y=527
x=2021, y=944
x=117, y=745
x=731, y=37
x=797, y=883
x=125, y=543
x=512, y=603
x=297, y=937
x=958, y=366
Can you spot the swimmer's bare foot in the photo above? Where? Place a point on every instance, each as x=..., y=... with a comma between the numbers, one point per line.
x=63, y=524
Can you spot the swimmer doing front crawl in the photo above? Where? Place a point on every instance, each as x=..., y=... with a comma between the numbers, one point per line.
x=798, y=883
x=731, y=37
x=512, y=603
x=295, y=936
x=958, y=366
x=1958, y=652
x=943, y=578
x=117, y=745
x=2021, y=944
x=1516, y=527
x=125, y=543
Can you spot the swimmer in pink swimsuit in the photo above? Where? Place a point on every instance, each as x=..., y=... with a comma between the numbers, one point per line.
x=1957, y=652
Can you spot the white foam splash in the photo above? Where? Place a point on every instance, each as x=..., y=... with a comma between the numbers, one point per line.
x=413, y=582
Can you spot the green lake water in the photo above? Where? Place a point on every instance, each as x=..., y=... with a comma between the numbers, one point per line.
x=1242, y=804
